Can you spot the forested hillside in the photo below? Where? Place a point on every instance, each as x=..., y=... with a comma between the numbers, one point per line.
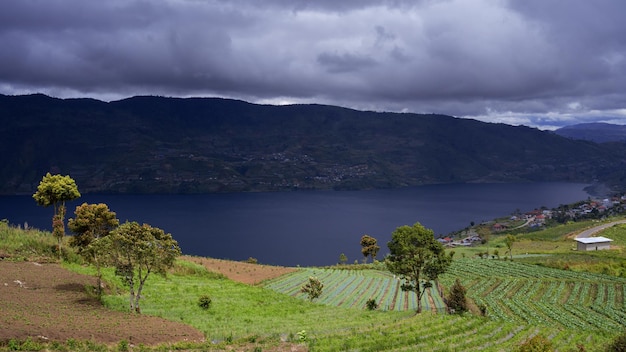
x=172, y=145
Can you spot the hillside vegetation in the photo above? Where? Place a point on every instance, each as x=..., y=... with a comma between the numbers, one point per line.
x=200, y=145
x=572, y=310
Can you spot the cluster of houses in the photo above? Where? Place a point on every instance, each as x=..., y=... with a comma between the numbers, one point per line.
x=538, y=217
x=466, y=242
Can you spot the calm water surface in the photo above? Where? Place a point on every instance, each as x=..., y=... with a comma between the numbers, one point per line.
x=307, y=228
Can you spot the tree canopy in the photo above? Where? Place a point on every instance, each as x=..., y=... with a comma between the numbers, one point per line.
x=313, y=288
x=369, y=247
x=92, y=221
x=417, y=258
x=55, y=190
x=138, y=250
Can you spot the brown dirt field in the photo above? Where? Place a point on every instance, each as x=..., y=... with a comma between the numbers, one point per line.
x=47, y=302
x=247, y=273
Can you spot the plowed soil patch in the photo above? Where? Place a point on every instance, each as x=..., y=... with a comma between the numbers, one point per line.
x=45, y=301
x=241, y=272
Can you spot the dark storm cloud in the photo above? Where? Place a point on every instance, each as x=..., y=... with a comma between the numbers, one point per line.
x=535, y=62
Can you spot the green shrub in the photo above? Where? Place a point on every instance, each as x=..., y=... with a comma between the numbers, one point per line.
x=302, y=336
x=483, y=309
x=123, y=346
x=537, y=343
x=457, y=303
x=204, y=302
x=371, y=304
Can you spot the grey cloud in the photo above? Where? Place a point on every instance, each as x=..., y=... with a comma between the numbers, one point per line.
x=346, y=62
x=513, y=61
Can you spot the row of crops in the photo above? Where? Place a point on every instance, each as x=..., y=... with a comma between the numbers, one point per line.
x=430, y=332
x=353, y=288
x=513, y=292
x=530, y=294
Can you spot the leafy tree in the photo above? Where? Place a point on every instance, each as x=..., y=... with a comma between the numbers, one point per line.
x=55, y=190
x=508, y=242
x=313, y=288
x=369, y=247
x=343, y=258
x=138, y=250
x=457, y=302
x=417, y=258
x=92, y=221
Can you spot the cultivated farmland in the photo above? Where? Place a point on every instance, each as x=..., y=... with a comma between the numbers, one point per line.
x=531, y=294
x=522, y=300
x=352, y=289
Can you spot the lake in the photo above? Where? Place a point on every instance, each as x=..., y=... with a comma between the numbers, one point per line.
x=307, y=228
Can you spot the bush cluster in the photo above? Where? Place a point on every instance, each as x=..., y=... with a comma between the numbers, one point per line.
x=204, y=302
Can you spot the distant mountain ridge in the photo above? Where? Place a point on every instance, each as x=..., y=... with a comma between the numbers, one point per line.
x=598, y=132
x=198, y=145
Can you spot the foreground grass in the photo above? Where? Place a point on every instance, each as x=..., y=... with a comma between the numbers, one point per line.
x=258, y=319
x=238, y=310
x=246, y=313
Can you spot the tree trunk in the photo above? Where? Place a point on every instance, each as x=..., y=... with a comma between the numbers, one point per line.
x=142, y=281
x=131, y=285
x=420, y=293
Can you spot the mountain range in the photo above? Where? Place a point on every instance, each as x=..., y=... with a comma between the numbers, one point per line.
x=148, y=144
x=598, y=132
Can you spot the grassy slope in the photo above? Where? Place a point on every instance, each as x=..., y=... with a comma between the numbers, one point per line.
x=243, y=312
x=247, y=312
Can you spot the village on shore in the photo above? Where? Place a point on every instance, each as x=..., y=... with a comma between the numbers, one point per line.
x=538, y=218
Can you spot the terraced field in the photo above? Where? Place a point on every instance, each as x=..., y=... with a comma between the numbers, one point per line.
x=352, y=289
x=570, y=309
x=530, y=294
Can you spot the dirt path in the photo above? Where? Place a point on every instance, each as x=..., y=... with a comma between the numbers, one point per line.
x=47, y=302
x=247, y=273
x=590, y=232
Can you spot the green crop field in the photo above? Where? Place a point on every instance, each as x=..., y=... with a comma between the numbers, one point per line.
x=522, y=300
x=352, y=289
x=531, y=294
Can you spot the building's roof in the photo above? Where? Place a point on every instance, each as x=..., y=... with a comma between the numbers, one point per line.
x=588, y=240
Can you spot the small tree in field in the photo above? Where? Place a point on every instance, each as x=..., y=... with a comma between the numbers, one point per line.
x=313, y=288
x=417, y=258
x=138, y=250
x=371, y=304
x=55, y=190
x=343, y=259
x=508, y=242
x=369, y=247
x=457, y=302
x=91, y=222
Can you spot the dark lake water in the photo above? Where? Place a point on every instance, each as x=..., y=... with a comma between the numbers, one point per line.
x=307, y=228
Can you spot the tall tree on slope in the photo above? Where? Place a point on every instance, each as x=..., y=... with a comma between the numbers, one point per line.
x=417, y=258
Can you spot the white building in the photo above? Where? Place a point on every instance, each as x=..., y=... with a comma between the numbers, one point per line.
x=593, y=243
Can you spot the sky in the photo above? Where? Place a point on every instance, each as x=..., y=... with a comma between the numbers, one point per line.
x=539, y=63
